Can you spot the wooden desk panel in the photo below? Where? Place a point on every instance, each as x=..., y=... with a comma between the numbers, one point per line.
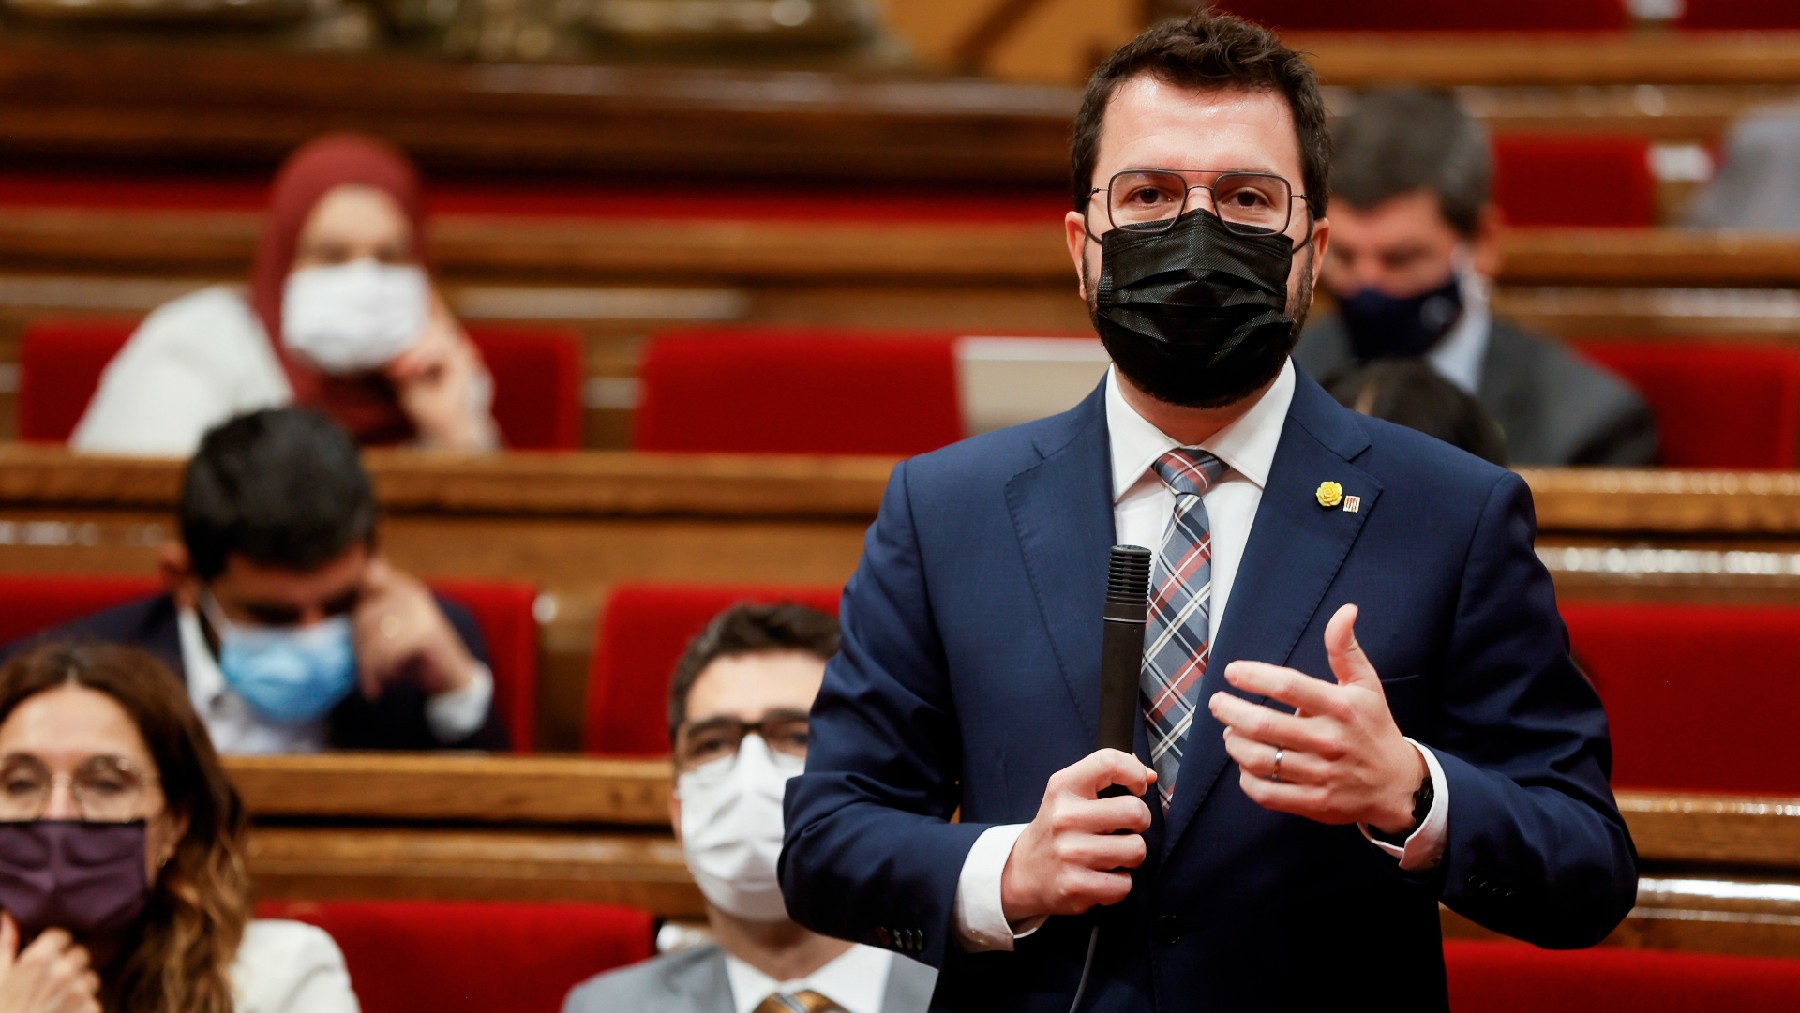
x=469, y=249
x=164, y=104
x=577, y=524
x=1719, y=872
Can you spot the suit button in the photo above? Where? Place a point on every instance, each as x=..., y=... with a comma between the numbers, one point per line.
x=1168, y=930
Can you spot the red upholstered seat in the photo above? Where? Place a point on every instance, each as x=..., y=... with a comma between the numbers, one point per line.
x=1738, y=15
x=1434, y=15
x=32, y=603
x=753, y=390
x=1493, y=977
x=504, y=610
x=1716, y=405
x=472, y=957
x=1669, y=675
x=1536, y=179
x=537, y=376
x=60, y=362
x=642, y=633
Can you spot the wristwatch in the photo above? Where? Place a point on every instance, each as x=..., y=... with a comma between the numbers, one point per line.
x=1422, y=799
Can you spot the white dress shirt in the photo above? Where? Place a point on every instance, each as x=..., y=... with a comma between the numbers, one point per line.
x=1459, y=355
x=236, y=728
x=289, y=967
x=856, y=980
x=1143, y=506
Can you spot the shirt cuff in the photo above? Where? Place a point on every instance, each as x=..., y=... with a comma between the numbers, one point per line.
x=980, y=917
x=457, y=714
x=1424, y=847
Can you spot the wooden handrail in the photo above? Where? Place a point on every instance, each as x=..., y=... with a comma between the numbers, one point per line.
x=523, y=792
x=1681, y=504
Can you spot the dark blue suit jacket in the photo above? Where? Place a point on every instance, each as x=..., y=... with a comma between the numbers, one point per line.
x=395, y=721
x=970, y=673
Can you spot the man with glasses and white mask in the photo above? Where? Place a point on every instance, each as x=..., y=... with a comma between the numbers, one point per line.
x=1414, y=250
x=1356, y=699
x=738, y=706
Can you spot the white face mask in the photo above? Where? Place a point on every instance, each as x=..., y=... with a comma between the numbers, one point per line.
x=731, y=828
x=349, y=318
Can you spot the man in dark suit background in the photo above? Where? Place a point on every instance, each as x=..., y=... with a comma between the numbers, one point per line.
x=1357, y=695
x=1413, y=254
x=292, y=634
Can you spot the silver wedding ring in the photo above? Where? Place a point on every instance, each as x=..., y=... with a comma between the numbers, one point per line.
x=1275, y=775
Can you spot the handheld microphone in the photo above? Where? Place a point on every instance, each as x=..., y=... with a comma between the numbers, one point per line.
x=1122, y=645
x=1121, y=660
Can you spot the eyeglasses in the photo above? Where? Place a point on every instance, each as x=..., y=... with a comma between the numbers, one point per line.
x=104, y=789
x=1149, y=200
x=701, y=742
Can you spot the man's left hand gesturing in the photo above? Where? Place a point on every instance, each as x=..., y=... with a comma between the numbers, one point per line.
x=1339, y=758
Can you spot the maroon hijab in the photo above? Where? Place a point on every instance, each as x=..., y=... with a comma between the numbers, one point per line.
x=366, y=405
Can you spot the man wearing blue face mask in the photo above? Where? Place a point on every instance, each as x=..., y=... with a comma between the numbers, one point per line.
x=1413, y=253
x=291, y=633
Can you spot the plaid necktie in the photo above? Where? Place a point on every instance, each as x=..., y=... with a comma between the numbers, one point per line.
x=797, y=1002
x=1177, y=644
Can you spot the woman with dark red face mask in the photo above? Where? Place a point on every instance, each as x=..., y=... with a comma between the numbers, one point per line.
x=340, y=315
x=122, y=880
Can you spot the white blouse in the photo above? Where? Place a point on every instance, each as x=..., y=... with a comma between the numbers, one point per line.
x=191, y=365
x=290, y=967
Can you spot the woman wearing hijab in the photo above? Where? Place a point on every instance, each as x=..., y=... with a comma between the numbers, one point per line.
x=340, y=315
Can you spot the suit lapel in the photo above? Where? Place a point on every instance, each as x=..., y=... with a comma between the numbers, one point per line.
x=1295, y=550
x=1062, y=513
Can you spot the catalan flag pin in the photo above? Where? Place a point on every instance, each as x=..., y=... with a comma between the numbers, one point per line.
x=1352, y=504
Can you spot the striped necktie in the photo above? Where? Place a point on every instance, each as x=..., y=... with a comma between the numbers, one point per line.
x=1177, y=637
x=797, y=1002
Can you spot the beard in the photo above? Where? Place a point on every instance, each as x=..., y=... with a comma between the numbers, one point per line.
x=1167, y=373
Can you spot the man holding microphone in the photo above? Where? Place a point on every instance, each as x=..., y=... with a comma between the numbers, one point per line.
x=1356, y=692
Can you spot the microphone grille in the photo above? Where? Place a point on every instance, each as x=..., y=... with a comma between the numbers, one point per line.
x=1128, y=575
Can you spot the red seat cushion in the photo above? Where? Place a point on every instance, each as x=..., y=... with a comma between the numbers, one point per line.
x=1738, y=15
x=472, y=957
x=642, y=633
x=537, y=375
x=807, y=392
x=33, y=603
x=1536, y=177
x=1491, y=977
x=1434, y=15
x=1664, y=673
x=1716, y=405
x=504, y=610
x=60, y=362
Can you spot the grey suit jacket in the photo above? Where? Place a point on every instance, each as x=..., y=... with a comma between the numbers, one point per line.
x=1554, y=409
x=693, y=981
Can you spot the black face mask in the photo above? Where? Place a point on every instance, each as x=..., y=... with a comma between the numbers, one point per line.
x=1381, y=326
x=1195, y=316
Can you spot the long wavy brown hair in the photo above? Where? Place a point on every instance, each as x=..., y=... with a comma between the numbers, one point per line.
x=181, y=959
